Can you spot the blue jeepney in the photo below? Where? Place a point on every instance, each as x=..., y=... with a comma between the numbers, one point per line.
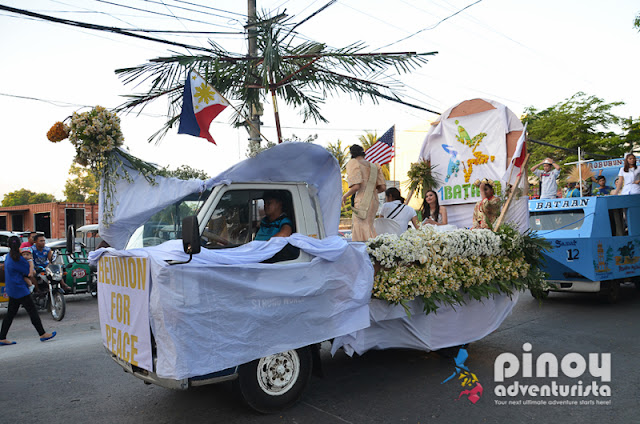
x=595, y=242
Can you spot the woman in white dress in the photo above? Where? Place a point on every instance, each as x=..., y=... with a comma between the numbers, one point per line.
x=432, y=212
x=629, y=176
x=394, y=208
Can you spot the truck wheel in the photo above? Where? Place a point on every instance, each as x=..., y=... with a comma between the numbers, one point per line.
x=613, y=292
x=275, y=382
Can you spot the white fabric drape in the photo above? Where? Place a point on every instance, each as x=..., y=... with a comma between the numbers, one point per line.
x=222, y=309
x=137, y=200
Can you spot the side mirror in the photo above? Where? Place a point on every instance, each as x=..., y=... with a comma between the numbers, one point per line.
x=71, y=240
x=191, y=235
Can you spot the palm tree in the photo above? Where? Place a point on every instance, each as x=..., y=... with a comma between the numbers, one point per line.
x=340, y=153
x=302, y=73
x=368, y=139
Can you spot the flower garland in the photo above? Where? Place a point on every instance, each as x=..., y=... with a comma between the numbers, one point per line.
x=95, y=134
x=443, y=267
x=97, y=138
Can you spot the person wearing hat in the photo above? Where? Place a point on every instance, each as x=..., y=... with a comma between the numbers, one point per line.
x=276, y=223
x=547, y=176
x=487, y=209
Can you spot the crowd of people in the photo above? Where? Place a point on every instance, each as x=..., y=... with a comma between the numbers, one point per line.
x=627, y=181
x=365, y=181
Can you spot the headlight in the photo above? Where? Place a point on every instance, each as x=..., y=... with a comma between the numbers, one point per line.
x=55, y=272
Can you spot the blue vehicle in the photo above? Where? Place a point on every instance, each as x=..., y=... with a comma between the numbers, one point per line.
x=595, y=242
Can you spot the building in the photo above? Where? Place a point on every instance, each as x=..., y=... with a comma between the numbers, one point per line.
x=408, y=145
x=49, y=218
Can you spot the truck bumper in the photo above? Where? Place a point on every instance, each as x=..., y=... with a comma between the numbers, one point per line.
x=150, y=377
x=574, y=286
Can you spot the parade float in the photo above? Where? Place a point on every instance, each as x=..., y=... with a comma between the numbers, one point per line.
x=595, y=240
x=215, y=306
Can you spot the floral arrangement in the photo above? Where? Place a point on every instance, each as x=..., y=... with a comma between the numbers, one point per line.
x=58, y=132
x=443, y=267
x=97, y=138
x=95, y=134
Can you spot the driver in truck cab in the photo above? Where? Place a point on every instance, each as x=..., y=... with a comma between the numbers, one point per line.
x=276, y=223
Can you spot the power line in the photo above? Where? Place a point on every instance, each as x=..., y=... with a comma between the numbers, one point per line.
x=63, y=104
x=430, y=27
x=160, y=13
x=211, y=8
x=99, y=28
x=189, y=9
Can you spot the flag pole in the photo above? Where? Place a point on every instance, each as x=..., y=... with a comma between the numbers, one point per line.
x=272, y=88
x=234, y=108
x=394, y=153
x=514, y=187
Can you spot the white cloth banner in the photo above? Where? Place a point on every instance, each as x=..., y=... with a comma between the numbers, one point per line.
x=391, y=328
x=138, y=200
x=123, y=305
x=218, y=311
x=465, y=149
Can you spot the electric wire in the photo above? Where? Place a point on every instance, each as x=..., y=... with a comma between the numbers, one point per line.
x=430, y=27
x=189, y=9
x=244, y=15
x=98, y=27
x=161, y=14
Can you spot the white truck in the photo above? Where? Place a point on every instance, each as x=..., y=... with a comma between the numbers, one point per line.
x=215, y=306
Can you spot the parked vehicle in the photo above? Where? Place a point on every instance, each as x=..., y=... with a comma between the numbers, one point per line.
x=78, y=275
x=4, y=239
x=596, y=242
x=89, y=236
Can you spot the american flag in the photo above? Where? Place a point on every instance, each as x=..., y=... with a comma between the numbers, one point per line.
x=382, y=151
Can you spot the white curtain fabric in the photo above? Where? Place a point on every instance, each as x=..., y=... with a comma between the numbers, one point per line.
x=391, y=328
x=306, y=162
x=221, y=310
x=138, y=200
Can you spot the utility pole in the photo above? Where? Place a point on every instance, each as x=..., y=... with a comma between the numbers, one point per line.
x=255, y=110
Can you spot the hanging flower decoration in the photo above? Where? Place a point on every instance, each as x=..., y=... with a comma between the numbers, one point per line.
x=95, y=134
x=447, y=267
x=58, y=132
x=98, y=140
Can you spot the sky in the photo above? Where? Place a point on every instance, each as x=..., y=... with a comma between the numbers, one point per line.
x=519, y=53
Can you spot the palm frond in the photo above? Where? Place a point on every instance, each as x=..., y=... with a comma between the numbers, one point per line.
x=303, y=74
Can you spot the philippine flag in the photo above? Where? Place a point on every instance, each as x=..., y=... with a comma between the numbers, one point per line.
x=200, y=105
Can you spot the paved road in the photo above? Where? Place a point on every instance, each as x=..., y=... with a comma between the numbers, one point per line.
x=72, y=379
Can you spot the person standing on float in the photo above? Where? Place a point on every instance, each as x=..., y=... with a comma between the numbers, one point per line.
x=365, y=180
x=548, y=177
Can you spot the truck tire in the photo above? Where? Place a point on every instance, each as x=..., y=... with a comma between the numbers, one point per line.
x=613, y=292
x=275, y=382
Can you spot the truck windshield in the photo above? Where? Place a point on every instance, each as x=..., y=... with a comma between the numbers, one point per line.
x=167, y=224
x=556, y=220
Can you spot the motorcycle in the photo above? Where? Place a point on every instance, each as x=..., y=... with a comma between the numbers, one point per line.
x=49, y=295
